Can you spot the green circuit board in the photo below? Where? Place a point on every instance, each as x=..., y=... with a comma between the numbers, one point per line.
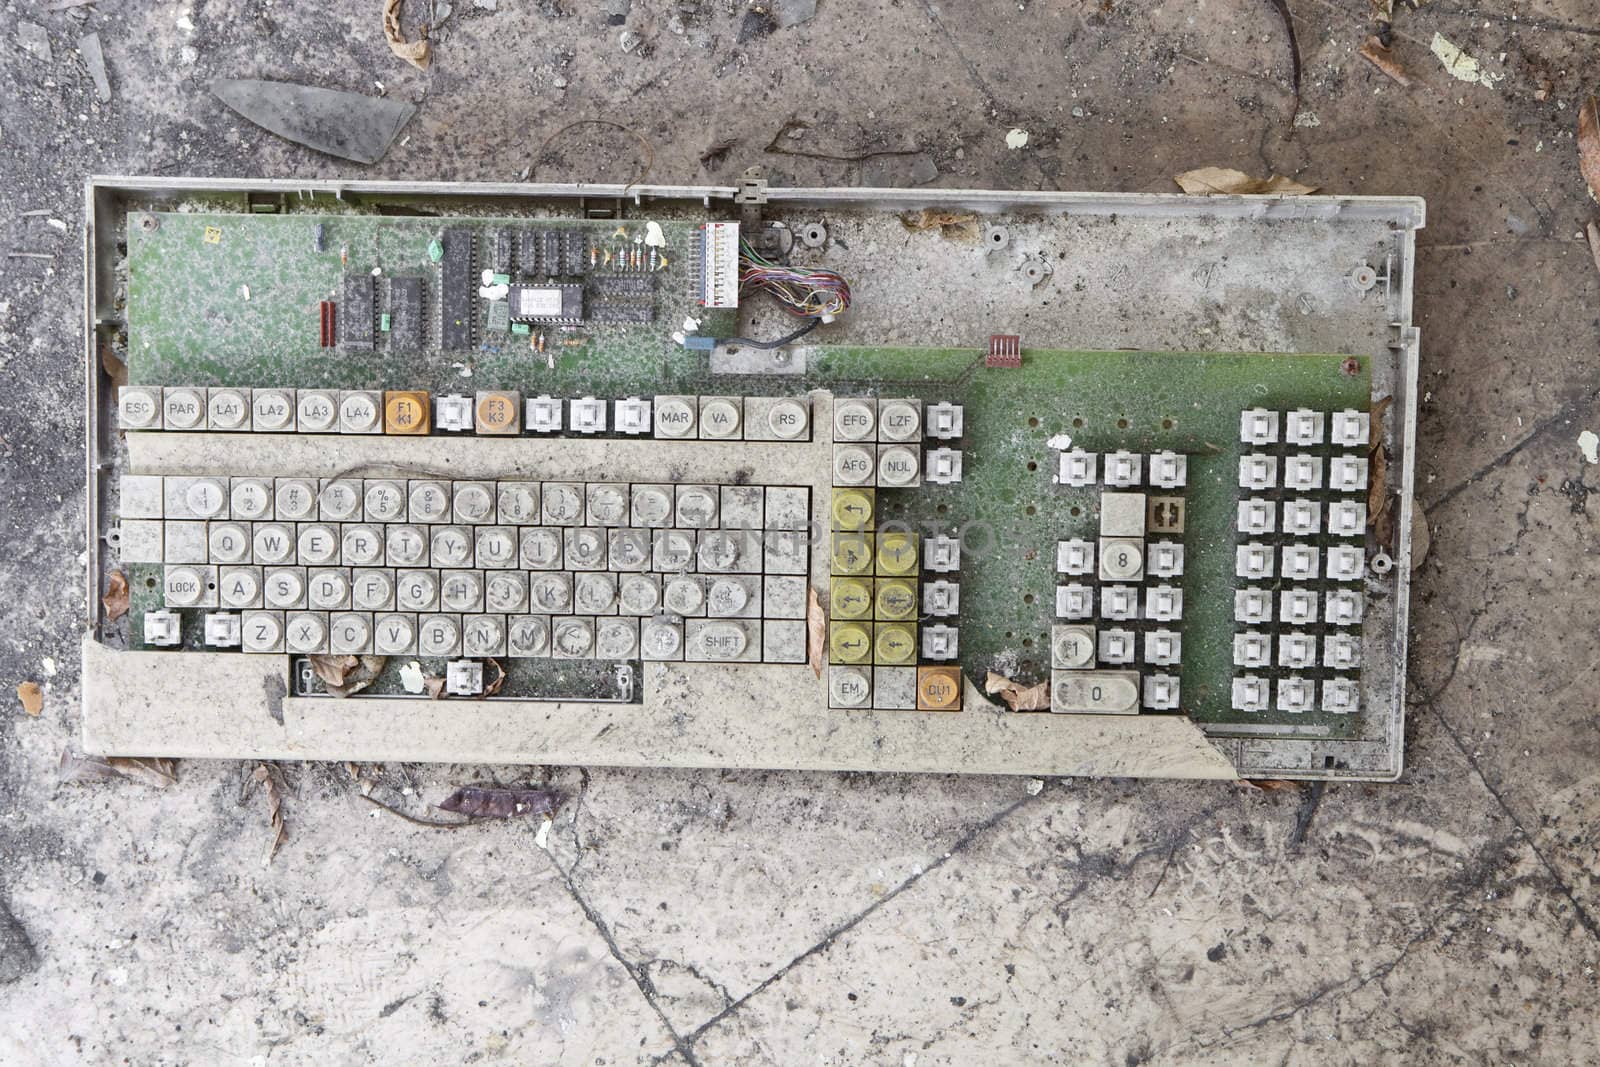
x=232, y=299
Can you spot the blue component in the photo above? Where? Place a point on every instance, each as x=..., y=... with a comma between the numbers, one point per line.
x=698, y=343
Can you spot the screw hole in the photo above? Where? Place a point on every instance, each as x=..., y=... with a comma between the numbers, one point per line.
x=1074, y=511
x=1027, y=598
x=149, y=583
x=1077, y=424
x=1032, y=465
x=1033, y=422
x=1031, y=510
x=1166, y=424
x=1122, y=424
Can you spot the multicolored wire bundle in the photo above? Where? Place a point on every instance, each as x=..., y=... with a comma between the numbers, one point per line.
x=813, y=294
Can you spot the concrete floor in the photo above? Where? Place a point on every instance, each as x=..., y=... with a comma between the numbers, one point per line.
x=762, y=918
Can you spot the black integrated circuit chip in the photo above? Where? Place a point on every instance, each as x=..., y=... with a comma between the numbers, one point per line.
x=502, y=251
x=457, y=294
x=574, y=252
x=355, y=313
x=528, y=252
x=405, y=314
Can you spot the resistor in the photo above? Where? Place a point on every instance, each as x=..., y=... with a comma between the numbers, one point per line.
x=344, y=255
x=608, y=256
x=541, y=341
x=594, y=254
x=652, y=257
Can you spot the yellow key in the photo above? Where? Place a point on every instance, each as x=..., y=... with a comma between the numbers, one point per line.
x=405, y=411
x=849, y=598
x=852, y=509
x=897, y=553
x=499, y=412
x=895, y=643
x=895, y=599
x=938, y=689
x=852, y=554
x=849, y=642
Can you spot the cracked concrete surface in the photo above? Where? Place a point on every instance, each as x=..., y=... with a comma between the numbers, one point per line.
x=704, y=917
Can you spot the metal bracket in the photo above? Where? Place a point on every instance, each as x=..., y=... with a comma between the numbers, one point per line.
x=752, y=189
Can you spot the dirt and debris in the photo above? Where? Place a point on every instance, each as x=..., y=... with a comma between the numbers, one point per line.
x=1282, y=7
x=1375, y=52
x=418, y=53
x=1421, y=535
x=115, y=598
x=1380, y=510
x=717, y=151
x=1461, y=66
x=500, y=802
x=1589, y=155
x=266, y=779
x=1226, y=181
x=1017, y=696
x=32, y=698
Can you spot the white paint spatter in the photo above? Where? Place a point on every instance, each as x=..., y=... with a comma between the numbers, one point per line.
x=1589, y=445
x=542, y=838
x=653, y=235
x=411, y=677
x=1060, y=442
x=1460, y=65
x=1016, y=138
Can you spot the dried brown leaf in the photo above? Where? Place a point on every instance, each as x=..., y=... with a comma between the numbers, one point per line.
x=1271, y=785
x=492, y=687
x=262, y=776
x=1374, y=52
x=498, y=802
x=956, y=225
x=1589, y=145
x=115, y=600
x=333, y=669
x=1592, y=231
x=418, y=53
x=1222, y=180
x=1018, y=697
x=32, y=698
x=159, y=773
x=115, y=369
x=434, y=684
x=816, y=630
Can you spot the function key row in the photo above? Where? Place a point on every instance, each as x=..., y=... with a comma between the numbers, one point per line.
x=1344, y=429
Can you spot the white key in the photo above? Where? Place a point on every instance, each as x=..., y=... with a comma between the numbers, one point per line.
x=540, y=549
x=317, y=544
x=439, y=635
x=506, y=592
x=406, y=546
x=239, y=587
x=628, y=549
x=416, y=590
x=572, y=638
x=451, y=546
x=585, y=548
x=697, y=506
x=350, y=633
x=139, y=407
x=474, y=502
x=295, y=499
x=461, y=591
x=529, y=636
x=340, y=501
x=483, y=635
x=284, y=587
x=251, y=498
x=261, y=631
x=229, y=542
x=661, y=639
x=684, y=595
x=519, y=502
x=394, y=635
x=184, y=587
x=316, y=411
x=222, y=630
x=639, y=594
x=595, y=593
x=550, y=592
x=206, y=498
x=327, y=590
x=384, y=501
x=428, y=501
x=616, y=638
x=273, y=542
x=607, y=505
x=306, y=632
x=372, y=590
x=272, y=410
x=361, y=545
x=562, y=504
x=496, y=547
x=183, y=408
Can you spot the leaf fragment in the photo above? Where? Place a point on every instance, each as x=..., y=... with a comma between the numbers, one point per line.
x=1375, y=53
x=954, y=225
x=157, y=772
x=1017, y=696
x=115, y=600
x=343, y=675
x=501, y=802
x=32, y=698
x=1226, y=181
x=418, y=53
x=1589, y=146
x=816, y=630
x=262, y=776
